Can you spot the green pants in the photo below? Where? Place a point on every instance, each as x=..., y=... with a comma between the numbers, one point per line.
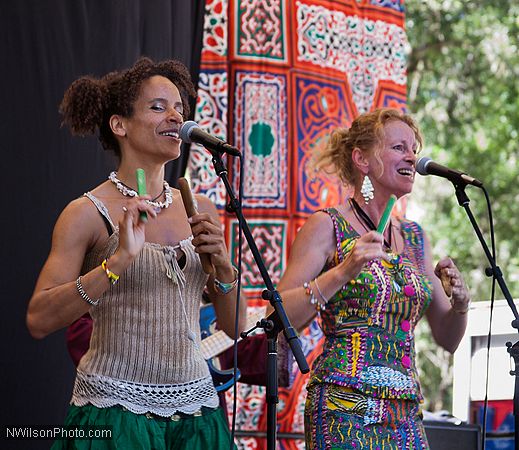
x=131, y=431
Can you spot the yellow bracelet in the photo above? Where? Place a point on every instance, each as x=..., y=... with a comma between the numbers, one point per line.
x=111, y=276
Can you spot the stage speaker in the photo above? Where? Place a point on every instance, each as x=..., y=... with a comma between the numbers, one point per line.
x=448, y=436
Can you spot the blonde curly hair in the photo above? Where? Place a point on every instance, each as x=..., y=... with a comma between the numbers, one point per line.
x=367, y=134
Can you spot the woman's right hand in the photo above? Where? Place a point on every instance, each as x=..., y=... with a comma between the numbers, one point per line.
x=312, y=250
x=369, y=246
x=132, y=228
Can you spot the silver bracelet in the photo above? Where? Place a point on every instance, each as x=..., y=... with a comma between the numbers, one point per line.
x=83, y=294
x=462, y=311
x=319, y=291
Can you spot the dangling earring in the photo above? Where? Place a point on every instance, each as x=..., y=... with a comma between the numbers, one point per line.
x=367, y=189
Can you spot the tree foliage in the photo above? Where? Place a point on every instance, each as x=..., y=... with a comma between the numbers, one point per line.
x=464, y=91
x=463, y=73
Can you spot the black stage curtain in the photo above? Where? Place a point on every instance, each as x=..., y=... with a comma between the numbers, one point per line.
x=44, y=46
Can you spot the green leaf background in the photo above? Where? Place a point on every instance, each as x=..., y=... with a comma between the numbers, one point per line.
x=463, y=83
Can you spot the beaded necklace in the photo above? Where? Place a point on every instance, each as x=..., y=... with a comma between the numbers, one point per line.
x=129, y=192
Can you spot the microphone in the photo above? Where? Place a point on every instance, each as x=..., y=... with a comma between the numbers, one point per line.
x=426, y=166
x=190, y=132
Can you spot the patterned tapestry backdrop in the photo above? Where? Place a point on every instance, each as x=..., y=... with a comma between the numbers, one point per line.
x=276, y=77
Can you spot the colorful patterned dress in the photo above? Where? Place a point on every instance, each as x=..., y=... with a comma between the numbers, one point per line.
x=364, y=391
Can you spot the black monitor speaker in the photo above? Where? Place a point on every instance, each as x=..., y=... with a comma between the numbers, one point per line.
x=448, y=436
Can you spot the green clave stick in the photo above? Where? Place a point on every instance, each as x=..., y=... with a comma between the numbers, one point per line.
x=384, y=220
x=141, y=189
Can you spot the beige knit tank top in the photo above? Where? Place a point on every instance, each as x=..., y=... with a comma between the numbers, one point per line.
x=144, y=351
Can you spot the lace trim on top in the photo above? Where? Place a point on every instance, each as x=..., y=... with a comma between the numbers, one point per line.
x=162, y=400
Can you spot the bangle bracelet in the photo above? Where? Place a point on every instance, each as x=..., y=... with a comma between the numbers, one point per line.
x=111, y=276
x=460, y=311
x=325, y=300
x=225, y=288
x=83, y=294
x=310, y=293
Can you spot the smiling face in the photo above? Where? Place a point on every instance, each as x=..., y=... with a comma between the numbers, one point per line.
x=393, y=169
x=153, y=128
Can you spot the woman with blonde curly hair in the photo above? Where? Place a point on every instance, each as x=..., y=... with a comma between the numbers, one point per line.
x=370, y=290
x=131, y=261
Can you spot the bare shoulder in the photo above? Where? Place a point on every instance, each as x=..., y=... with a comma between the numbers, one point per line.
x=78, y=222
x=313, y=246
x=319, y=225
x=75, y=231
x=80, y=210
x=317, y=232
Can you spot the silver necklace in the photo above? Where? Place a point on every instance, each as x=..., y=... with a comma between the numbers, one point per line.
x=129, y=192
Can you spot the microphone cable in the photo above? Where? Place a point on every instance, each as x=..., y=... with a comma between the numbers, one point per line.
x=238, y=300
x=489, y=337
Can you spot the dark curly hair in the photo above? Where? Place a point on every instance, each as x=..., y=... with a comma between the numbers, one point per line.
x=89, y=102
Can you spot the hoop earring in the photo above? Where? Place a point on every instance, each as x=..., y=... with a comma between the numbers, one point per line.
x=367, y=190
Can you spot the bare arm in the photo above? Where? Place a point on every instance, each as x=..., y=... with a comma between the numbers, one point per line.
x=448, y=322
x=209, y=238
x=313, y=246
x=55, y=302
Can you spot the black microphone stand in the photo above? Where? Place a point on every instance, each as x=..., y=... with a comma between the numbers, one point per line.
x=275, y=322
x=495, y=272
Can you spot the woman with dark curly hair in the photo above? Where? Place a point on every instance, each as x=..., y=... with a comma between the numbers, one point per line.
x=131, y=261
x=370, y=285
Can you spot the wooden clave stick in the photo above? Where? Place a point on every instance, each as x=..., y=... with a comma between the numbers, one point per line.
x=189, y=204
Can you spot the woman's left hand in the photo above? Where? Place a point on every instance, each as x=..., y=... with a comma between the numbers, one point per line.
x=208, y=238
x=453, y=284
